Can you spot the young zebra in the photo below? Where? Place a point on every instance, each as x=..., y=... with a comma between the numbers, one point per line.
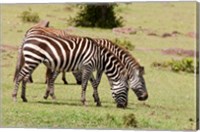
x=135, y=71
x=60, y=54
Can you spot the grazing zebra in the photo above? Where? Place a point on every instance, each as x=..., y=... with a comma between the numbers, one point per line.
x=135, y=71
x=60, y=54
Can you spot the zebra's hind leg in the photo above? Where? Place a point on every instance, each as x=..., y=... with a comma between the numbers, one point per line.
x=20, y=78
x=24, y=82
x=16, y=86
x=30, y=79
x=50, y=85
x=23, y=94
x=48, y=77
x=24, y=72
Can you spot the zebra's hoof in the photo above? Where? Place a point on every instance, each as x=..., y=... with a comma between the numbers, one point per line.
x=83, y=101
x=14, y=96
x=14, y=99
x=65, y=83
x=24, y=99
x=45, y=97
x=98, y=104
x=78, y=82
x=53, y=96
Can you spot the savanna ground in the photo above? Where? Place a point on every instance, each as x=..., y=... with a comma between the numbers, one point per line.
x=172, y=96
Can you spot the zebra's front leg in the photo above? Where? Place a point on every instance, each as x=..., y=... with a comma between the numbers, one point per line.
x=78, y=77
x=97, y=81
x=86, y=73
x=64, y=78
x=95, y=91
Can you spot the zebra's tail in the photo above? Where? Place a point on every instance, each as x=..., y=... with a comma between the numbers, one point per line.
x=20, y=62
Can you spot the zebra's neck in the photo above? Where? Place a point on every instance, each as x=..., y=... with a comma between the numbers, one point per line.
x=125, y=57
x=111, y=65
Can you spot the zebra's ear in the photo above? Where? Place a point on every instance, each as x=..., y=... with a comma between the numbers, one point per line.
x=141, y=70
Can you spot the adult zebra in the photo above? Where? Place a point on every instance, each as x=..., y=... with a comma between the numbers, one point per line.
x=134, y=70
x=57, y=53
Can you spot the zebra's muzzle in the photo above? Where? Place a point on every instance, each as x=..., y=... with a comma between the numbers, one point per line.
x=122, y=105
x=143, y=97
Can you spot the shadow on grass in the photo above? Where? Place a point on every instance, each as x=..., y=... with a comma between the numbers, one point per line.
x=57, y=83
x=90, y=104
x=58, y=103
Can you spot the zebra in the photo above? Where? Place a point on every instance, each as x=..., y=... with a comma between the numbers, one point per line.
x=57, y=53
x=135, y=71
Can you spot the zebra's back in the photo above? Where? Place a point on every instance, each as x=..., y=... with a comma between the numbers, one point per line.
x=60, y=54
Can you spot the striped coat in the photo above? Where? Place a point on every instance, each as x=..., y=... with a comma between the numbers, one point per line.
x=82, y=54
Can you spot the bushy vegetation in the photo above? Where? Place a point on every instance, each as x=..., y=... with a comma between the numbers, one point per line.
x=29, y=16
x=124, y=43
x=185, y=65
x=97, y=15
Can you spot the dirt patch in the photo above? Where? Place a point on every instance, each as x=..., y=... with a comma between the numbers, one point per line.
x=125, y=30
x=192, y=34
x=4, y=48
x=172, y=51
x=150, y=32
x=179, y=52
x=147, y=49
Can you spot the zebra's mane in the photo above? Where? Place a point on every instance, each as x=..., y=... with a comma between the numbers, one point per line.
x=124, y=50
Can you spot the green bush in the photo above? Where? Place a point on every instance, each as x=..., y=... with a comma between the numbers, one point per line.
x=98, y=15
x=29, y=16
x=124, y=43
x=185, y=65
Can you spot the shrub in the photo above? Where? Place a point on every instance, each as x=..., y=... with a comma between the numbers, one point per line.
x=185, y=65
x=100, y=15
x=124, y=43
x=29, y=16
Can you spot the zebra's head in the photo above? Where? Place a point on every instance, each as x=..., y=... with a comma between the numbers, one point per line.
x=120, y=90
x=137, y=83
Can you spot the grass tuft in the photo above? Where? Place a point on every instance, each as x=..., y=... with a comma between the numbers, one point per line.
x=130, y=121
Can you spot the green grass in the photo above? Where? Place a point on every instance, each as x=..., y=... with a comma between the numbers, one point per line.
x=172, y=96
